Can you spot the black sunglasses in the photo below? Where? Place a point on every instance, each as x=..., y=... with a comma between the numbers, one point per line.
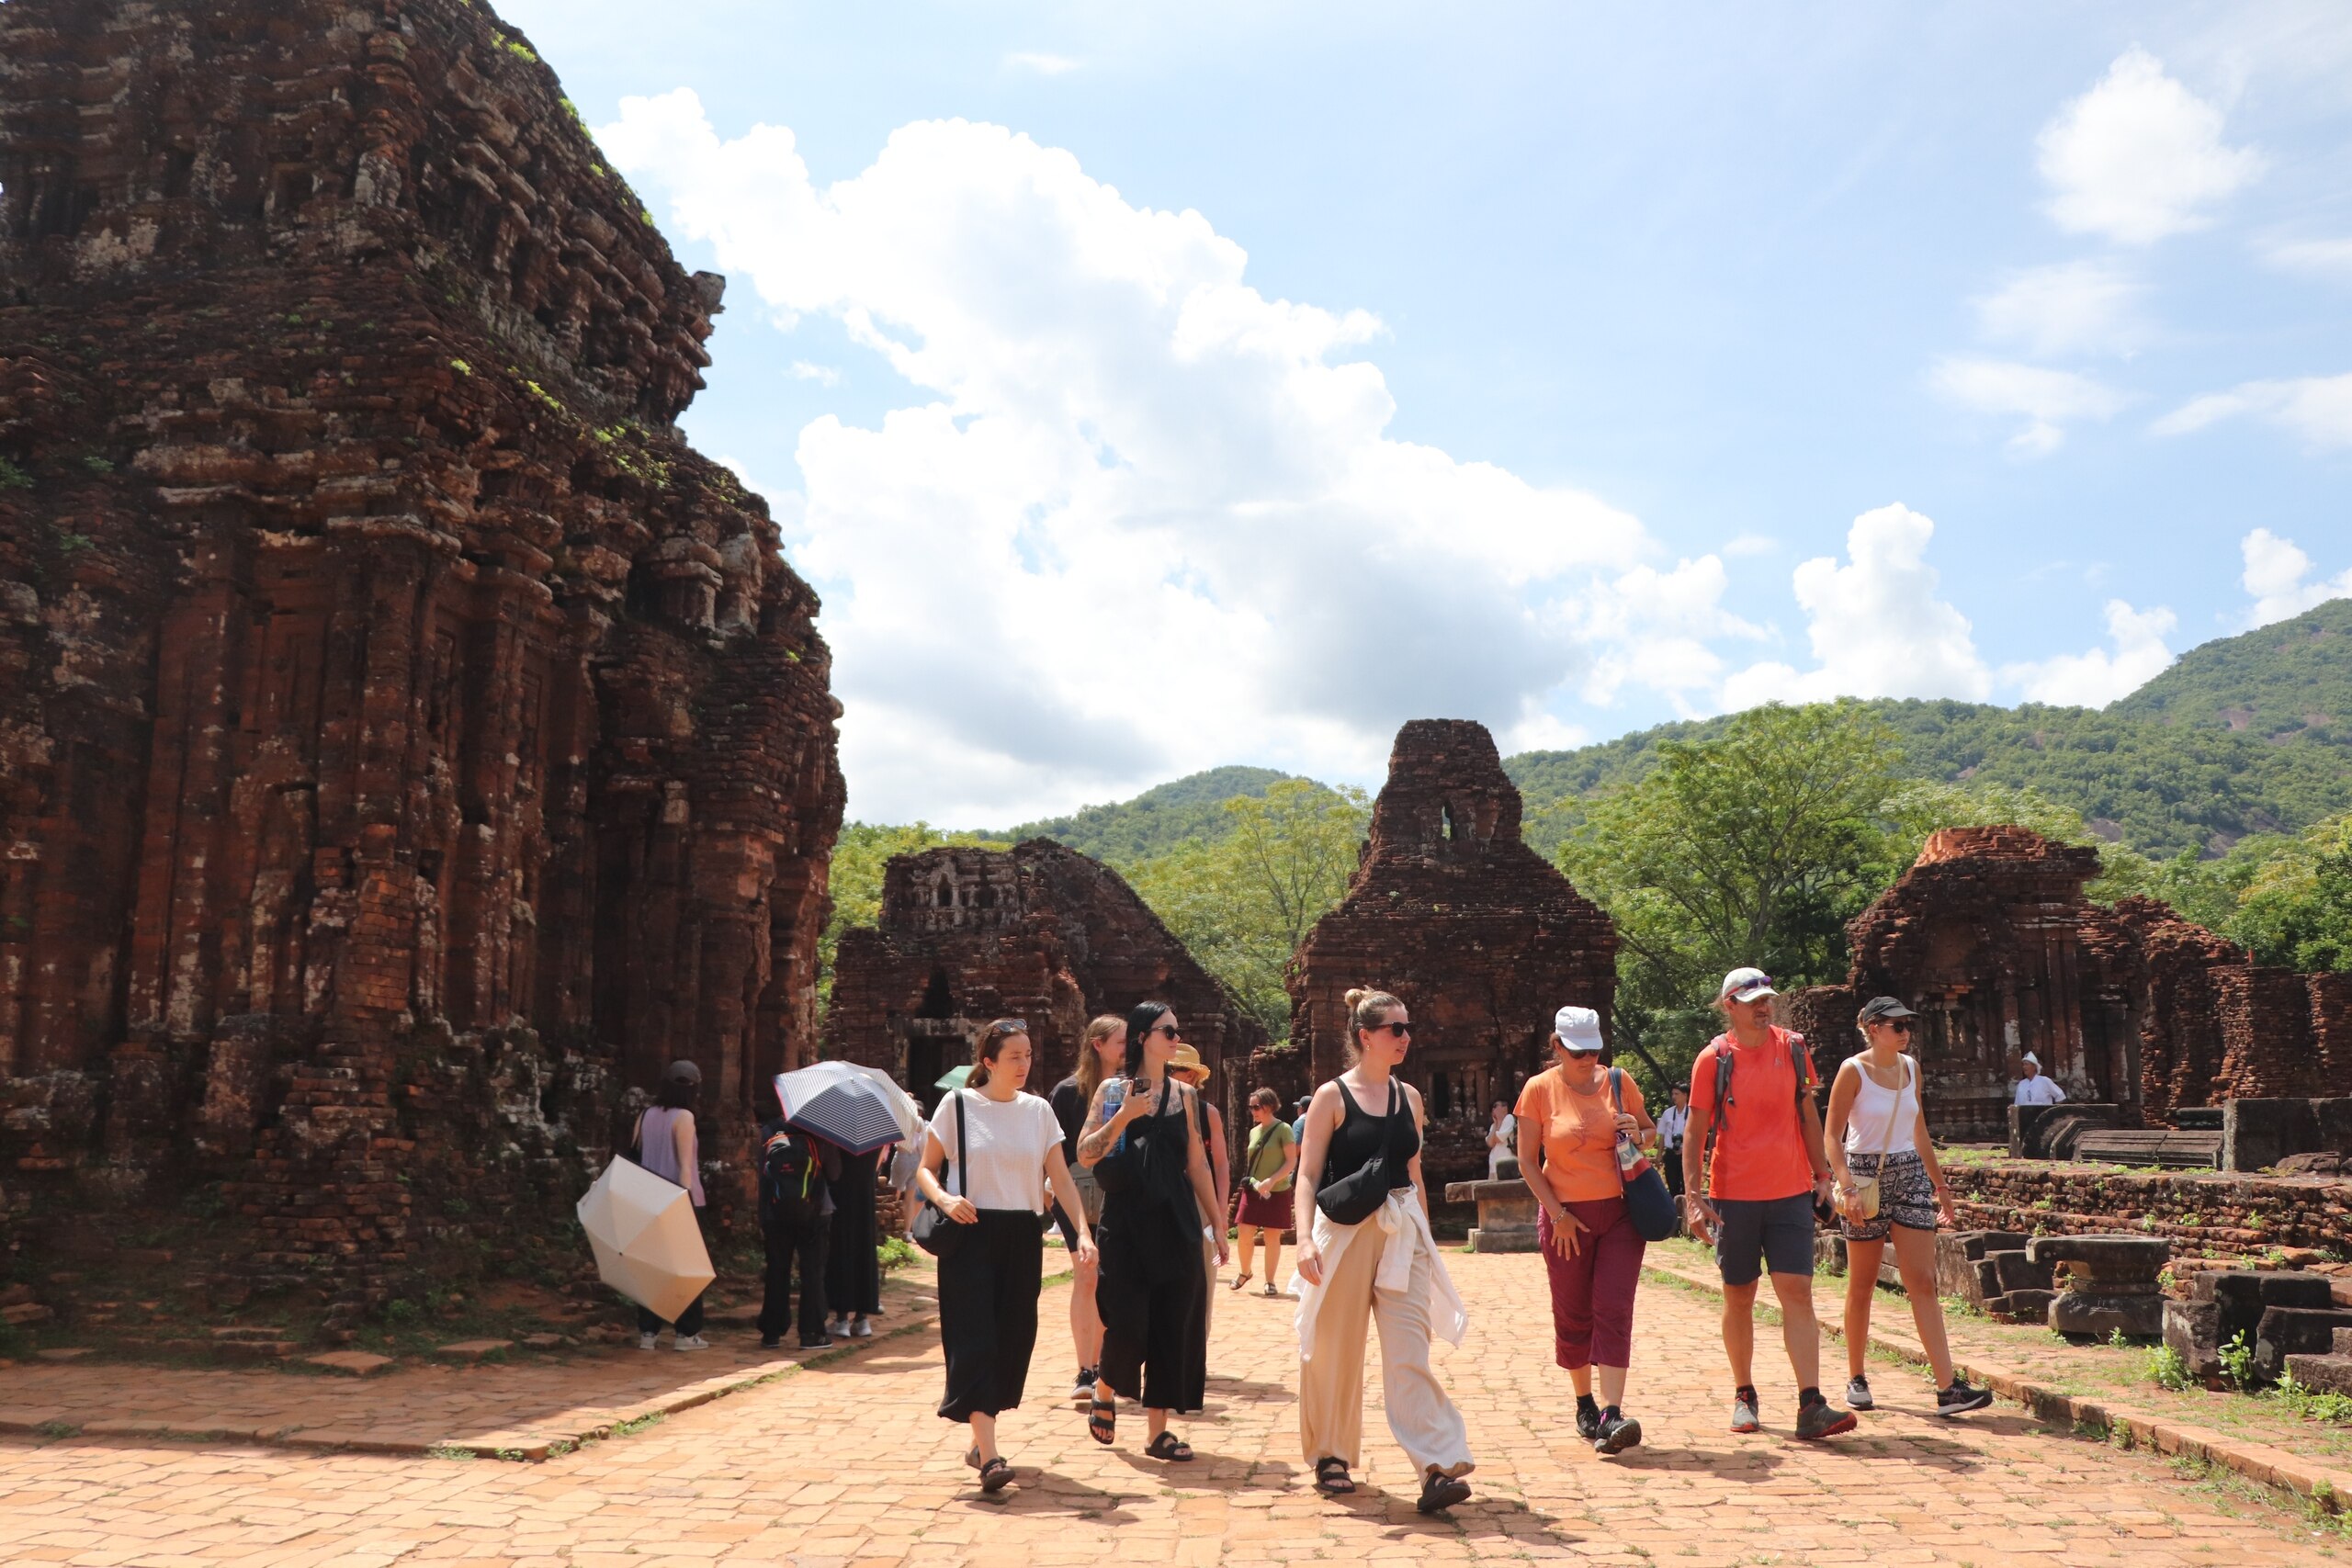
x=1401, y=1031
x=1899, y=1025
x=1168, y=1028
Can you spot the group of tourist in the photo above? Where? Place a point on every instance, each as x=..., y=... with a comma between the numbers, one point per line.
x=816, y=1211
x=1126, y=1156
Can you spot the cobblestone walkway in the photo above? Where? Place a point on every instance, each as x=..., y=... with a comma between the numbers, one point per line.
x=844, y=1464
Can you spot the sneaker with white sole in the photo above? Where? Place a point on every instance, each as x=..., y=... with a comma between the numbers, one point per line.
x=1962, y=1398
x=1742, y=1410
x=1857, y=1394
x=691, y=1342
x=648, y=1341
x=863, y=1329
x=1618, y=1433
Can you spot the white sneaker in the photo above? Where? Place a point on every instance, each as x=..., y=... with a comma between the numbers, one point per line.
x=836, y=1330
x=691, y=1342
x=861, y=1329
x=647, y=1341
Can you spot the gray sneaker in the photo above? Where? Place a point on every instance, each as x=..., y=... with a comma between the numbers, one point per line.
x=1618, y=1433
x=1857, y=1395
x=1742, y=1410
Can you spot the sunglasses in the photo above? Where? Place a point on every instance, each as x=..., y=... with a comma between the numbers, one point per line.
x=1166, y=1029
x=1401, y=1031
x=1008, y=1026
x=1899, y=1025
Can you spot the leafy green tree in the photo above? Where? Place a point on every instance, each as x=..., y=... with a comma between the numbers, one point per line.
x=1243, y=901
x=2296, y=910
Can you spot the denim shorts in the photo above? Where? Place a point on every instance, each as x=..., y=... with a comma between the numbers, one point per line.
x=1761, y=1232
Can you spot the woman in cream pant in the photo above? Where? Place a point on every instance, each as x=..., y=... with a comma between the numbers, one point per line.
x=1331, y=1386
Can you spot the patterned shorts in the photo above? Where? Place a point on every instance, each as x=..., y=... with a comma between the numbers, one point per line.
x=1906, y=1196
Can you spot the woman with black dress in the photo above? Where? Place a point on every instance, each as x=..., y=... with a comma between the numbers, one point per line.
x=853, y=1268
x=1001, y=1152
x=1143, y=1142
x=1382, y=1267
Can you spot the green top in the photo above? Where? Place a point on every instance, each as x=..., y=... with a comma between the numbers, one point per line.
x=1264, y=1156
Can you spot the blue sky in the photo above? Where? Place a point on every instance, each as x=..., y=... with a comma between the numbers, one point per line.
x=1149, y=387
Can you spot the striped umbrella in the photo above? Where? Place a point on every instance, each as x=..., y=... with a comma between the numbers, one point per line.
x=851, y=1107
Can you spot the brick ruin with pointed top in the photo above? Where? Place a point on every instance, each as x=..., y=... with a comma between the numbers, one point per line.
x=407, y=742
x=1039, y=932
x=1483, y=939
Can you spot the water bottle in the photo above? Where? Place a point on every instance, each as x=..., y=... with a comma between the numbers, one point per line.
x=1628, y=1155
x=1113, y=1091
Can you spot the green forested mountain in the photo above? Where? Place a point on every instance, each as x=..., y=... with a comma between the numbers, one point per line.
x=2289, y=681
x=1182, y=811
x=2245, y=735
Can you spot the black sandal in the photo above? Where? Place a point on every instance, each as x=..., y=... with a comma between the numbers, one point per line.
x=1103, y=1419
x=1331, y=1477
x=1168, y=1446
x=1440, y=1490
x=995, y=1474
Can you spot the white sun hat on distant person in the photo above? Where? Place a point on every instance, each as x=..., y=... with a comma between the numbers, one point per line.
x=1746, y=985
x=1578, y=1029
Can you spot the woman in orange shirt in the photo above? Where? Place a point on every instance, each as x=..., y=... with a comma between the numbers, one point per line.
x=1573, y=1119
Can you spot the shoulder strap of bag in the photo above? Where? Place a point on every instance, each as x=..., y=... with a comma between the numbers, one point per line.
x=1797, y=1068
x=1617, y=1103
x=1723, y=1094
x=962, y=1147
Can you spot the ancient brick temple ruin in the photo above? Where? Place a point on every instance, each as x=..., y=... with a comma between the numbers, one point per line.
x=1990, y=937
x=1480, y=936
x=407, y=743
x=1039, y=932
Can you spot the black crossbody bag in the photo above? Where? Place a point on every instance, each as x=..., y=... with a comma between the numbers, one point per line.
x=933, y=1230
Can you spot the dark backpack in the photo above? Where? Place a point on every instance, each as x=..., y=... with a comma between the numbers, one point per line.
x=789, y=1172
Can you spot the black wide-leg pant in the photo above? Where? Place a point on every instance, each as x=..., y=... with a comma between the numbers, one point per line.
x=1155, y=1314
x=806, y=1241
x=988, y=1312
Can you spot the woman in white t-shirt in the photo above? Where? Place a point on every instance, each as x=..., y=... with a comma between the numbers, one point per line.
x=1002, y=1149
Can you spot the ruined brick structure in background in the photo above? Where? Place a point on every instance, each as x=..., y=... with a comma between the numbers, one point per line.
x=1039, y=932
x=1990, y=937
x=1477, y=934
x=406, y=741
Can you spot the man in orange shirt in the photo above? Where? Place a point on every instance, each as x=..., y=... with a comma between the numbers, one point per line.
x=1769, y=1174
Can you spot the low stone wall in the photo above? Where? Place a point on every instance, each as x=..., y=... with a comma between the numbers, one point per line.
x=2201, y=1214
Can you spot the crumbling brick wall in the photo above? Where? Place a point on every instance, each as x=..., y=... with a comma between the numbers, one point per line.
x=2219, y=1214
x=1477, y=934
x=381, y=675
x=1039, y=932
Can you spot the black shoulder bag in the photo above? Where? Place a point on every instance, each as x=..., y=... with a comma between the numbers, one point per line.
x=933, y=1230
x=1357, y=1196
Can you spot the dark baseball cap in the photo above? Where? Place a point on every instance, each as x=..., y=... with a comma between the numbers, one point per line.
x=1878, y=1010
x=682, y=1071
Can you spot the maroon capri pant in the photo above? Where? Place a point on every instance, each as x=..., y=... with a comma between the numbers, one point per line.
x=1592, y=1294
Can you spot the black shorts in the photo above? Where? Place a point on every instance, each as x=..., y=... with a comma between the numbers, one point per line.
x=1764, y=1232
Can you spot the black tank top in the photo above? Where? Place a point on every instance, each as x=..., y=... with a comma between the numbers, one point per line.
x=1361, y=1134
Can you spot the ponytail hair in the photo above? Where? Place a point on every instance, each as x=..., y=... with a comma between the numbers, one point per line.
x=992, y=1046
x=1366, y=1010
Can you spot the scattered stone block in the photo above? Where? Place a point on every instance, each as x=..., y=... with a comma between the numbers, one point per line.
x=474, y=1349
x=2192, y=1331
x=351, y=1363
x=548, y=1341
x=2293, y=1331
x=1506, y=1214
x=2325, y=1374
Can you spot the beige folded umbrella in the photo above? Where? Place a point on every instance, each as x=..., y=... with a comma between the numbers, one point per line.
x=648, y=1246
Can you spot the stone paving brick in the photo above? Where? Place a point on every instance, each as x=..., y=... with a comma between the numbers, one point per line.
x=844, y=1464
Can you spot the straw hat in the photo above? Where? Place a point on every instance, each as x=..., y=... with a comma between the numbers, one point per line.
x=1186, y=1064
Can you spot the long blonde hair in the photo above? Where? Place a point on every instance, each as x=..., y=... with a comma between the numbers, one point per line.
x=1089, y=1060
x=1365, y=1010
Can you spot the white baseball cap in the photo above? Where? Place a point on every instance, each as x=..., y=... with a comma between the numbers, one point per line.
x=1578, y=1029
x=1746, y=985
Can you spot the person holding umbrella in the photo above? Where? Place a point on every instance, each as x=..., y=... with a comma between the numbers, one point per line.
x=666, y=1146
x=1007, y=1152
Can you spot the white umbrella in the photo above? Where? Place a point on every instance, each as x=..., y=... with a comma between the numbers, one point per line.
x=648, y=1246
x=852, y=1106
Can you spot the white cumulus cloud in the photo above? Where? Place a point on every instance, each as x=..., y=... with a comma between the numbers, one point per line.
x=1876, y=625
x=2139, y=156
x=2330, y=259
x=2094, y=679
x=2047, y=400
x=2072, y=308
x=1656, y=629
x=2317, y=408
x=1138, y=518
x=2279, y=575
x=1043, y=65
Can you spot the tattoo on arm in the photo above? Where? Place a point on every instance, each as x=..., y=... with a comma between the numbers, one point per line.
x=1095, y=1141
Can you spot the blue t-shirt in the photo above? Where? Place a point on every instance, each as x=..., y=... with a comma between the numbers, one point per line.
x=1298, y=1131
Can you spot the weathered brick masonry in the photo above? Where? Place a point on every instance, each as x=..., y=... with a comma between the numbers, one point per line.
x=2219, y=1214
x=406, y=741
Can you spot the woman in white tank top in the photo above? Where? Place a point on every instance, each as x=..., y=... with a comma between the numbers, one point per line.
x=1890, y=1187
